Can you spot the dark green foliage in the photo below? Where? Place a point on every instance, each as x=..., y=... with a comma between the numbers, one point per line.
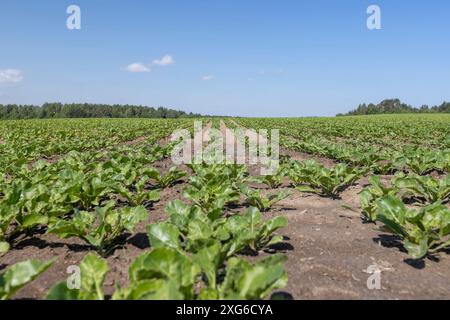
x=85, y=110
x=391, y=106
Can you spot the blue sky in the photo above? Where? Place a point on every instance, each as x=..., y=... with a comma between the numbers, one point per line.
x=234, y=57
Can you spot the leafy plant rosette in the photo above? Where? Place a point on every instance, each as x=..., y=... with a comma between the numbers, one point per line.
x=93, y=271
x=422, y=231
x=18, y=275
x=424, y=188
x=315, y=178
x=169, y=274
x=211, y=192
x=101, y=228
x=165, y=273
x=189, y=229
x=264, y=203
x=369, y=196
x=165, y=180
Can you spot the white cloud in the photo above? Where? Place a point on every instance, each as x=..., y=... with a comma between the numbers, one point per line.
x=208, y=77
x=11, y=76
x=141, y=67
x=138, y=67
x=164, y=61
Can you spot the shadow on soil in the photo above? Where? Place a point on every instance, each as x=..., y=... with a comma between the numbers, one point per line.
x=41, y=244
x=139, y=240
x=282, y=246
x=416, y=264
x=390, y=241
x=281, y=295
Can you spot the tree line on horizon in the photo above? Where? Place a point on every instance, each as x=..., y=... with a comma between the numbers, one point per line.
x=87, y=110
x=395, y=106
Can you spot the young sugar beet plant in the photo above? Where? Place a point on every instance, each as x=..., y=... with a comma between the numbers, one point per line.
x=419, y=161
x=264, y=203
x=170, y=274
x=211, y=190
x=93, y=271
x=23, y=208
x=271, y=181
x=424, y=231
x=315, y=178
x=369, y=195
x=246, y=281
x=141, y=195
x=425, y=189
x=274, y=180
x=297, y=171
x=85, y=189
x=190, y=228
x=256, y=233
x=237, y=174
x=240, y=280
x=20, y=274
x=444, y=160
x=234, y=174
x=166, y=180
x=102, y=228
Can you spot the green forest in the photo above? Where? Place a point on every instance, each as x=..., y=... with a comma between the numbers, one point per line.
x=395, y=106
x=86, y=110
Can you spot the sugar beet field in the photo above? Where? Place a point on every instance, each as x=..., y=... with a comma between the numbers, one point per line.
x=95, y=209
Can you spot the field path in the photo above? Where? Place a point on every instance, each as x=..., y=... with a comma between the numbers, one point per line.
x=295, y=155
x=198, y=141
x=230, y=138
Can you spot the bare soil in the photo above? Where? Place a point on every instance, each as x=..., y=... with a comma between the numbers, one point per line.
x=330, y=249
